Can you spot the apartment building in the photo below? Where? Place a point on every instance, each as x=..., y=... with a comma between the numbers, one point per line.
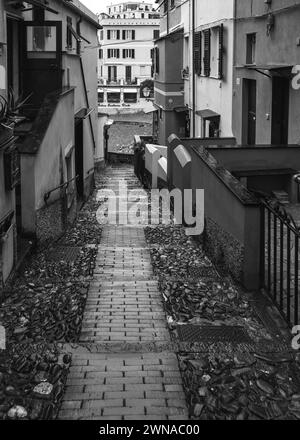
x=211, y=68
x=171, y=54
x=49, y=53
x=266, y=106
x=125, y=56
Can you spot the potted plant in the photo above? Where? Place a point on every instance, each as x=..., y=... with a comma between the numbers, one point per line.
x=10, y=108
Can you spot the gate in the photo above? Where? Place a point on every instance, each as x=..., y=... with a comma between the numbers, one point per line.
x=280, y=260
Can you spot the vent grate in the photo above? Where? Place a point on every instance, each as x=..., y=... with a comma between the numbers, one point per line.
x=69, y=254
x=196, y=333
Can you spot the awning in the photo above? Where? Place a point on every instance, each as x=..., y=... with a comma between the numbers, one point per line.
x=208, y=114
x=109, y=122
x=37, y=3
x=151, y=109
x=84, y=113
x=181, y=109
x=283, y=70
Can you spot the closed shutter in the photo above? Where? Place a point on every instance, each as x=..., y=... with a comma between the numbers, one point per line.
x=221, y=51
x=206, y=59
x=197, y=53
x=157, y=60
x=108, y=34
x=152, y=65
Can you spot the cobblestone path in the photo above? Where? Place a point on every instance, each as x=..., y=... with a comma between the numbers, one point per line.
x=124, y=306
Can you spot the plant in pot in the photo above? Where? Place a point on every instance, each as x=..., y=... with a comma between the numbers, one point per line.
x=10, y=114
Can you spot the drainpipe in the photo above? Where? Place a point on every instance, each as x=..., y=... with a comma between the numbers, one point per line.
x=193, y=69
x=234, y=54
x=168, y=20
x=86, y=94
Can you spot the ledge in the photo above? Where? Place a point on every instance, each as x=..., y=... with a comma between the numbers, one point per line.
x=231, y=183
x=41, y=123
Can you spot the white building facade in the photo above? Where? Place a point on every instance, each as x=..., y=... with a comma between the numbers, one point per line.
x=210, y=97
x=125, y=54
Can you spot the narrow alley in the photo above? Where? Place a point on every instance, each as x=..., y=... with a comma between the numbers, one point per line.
x=124, y=309
x=116, y=322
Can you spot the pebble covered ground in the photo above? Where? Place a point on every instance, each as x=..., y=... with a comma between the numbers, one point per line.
x=222, y=381
x=44, y=305
x=120, y=133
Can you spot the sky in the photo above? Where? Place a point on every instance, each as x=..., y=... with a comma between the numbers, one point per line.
x=100, y=5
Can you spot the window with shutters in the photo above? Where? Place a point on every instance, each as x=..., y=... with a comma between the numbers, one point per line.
x=197, y=53
x=128, y=34
x=69, y=33
x=251, y=48
x=221, y=52
x=129, y=53
x=156, y=34
x=113, y=53
x=100, y=54
x=113, y=34
x=166, y=5
x=214, y=52
x=156, y=60
x=206, y=52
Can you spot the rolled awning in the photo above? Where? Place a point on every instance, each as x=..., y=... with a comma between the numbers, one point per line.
x=208, y=114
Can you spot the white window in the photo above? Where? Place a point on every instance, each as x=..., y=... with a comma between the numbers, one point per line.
x=128, y=53
x=214, y=52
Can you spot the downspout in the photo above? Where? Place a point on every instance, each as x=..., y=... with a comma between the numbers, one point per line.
x=193, y=70
x=234, y=54
x=86, y=94
x=168, y=23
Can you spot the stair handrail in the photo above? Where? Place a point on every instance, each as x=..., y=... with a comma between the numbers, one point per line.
x=64, y=185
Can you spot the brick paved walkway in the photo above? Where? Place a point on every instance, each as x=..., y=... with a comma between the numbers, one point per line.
x=124, y=306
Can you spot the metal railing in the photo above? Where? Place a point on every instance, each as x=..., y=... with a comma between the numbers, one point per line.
x=280, y=259
x=63, y=186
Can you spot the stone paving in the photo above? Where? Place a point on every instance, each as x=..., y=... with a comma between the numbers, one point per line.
x=124, y=306
x=120, y=133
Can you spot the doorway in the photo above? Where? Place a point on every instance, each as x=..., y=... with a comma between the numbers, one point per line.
x=79, y=160
x=250, y=111
x=280, y=111
x=128, y=74
x=112, y=74
x=42, y=59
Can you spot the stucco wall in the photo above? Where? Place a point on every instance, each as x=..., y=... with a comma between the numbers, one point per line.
x=142, y=44
x=232, y=217
x=46, y=170
x=277, y=49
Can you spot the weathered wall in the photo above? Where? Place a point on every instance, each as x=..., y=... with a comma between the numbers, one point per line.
x=280, y=48
x=45, y=171
x=212, y=93
x=232, y=215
